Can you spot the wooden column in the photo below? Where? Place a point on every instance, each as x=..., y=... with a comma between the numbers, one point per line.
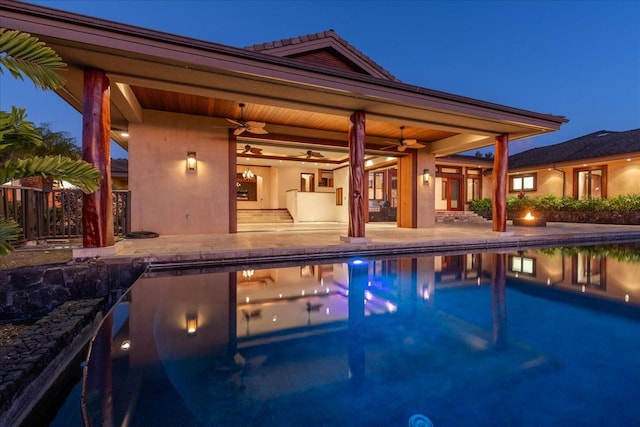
x=357, y=188
x=500, y=165
x=97, y=209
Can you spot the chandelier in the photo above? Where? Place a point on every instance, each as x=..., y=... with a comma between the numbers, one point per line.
x=248, y=174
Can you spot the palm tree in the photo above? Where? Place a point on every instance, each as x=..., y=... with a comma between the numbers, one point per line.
x=24, y=55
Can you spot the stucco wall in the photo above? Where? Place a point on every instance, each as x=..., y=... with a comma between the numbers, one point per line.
x=165, y=197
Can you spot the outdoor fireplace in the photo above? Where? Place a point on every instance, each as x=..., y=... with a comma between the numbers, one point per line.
x=529, y=221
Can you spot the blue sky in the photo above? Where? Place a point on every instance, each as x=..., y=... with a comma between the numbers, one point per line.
x=579, y=59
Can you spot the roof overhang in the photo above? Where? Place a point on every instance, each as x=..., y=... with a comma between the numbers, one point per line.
x=285, y=93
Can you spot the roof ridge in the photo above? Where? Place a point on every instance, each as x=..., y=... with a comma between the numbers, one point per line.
x=330, y=33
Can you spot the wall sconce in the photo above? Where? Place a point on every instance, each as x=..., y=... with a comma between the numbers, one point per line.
x=192, y=324
x=192, y=162
x=425, y=176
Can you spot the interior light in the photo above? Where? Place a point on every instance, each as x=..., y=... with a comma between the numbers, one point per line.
x=124, y=134
x=248, y=174
x=192, y=162
x=126, y=345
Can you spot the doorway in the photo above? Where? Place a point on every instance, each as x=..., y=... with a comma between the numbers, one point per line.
x=307, y=182
x=452, y=191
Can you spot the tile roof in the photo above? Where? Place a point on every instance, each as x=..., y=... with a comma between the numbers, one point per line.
x=603, y=143
x=329, y=35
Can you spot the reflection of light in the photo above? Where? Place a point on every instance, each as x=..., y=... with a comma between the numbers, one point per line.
x=315, y=291
x=548, y=282
x=192, y=324
x=327, y=290
x=369, y=283
x=516, y=274
x=391, y=307
x=302, y=293
x=626, y=298
x=425, y=293
x=126, y=344
x=321, y=282
x=327, y=311
x=280, y=295
x=275, y=318
x=478, y=281
x=246, y=299
x=583, y=288
x=368, y=295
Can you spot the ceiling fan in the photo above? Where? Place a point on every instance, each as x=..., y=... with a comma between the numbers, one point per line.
x=249, y=149
x=404, y=143
x=247, y=125
x=309, y=154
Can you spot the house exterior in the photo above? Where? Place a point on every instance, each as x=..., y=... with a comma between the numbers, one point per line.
x=600, y=164
x=182, y=108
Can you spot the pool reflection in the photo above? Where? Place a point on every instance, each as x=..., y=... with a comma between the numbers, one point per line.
x=185, y=346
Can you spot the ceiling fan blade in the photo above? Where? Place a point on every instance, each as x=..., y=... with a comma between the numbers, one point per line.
x=418, y=145
x=256, y=150
x=409, y=141
x=253, y=124
x=257, y=130
x=316, y=154
x=234, y=122
x=402, y=148
x=239, y=131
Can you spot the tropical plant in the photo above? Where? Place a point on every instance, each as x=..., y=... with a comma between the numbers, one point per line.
x=25, y=56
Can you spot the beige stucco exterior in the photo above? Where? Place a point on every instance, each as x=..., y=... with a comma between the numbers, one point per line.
x=165, y=197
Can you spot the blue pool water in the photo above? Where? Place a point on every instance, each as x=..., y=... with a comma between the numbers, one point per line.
x=523, y=339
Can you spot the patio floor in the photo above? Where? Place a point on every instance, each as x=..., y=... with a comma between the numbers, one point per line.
x=277, y=242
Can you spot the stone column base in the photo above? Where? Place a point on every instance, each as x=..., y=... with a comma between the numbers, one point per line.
x=349, y=239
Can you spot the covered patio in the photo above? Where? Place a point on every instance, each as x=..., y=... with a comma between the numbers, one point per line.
x=181, y=107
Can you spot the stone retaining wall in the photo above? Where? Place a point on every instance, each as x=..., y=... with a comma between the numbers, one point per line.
x=30, y=292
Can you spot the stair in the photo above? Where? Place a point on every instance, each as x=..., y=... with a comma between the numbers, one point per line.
x=459, y=216
x=262, y=216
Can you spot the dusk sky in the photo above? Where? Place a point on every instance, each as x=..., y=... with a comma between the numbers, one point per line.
x=578, y=59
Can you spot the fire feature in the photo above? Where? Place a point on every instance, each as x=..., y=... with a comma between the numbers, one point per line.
x=529, y=221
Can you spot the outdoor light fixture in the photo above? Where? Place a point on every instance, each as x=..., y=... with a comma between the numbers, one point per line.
x=248, y=174
x=425, y=176
x=192, y=324
x=192, y=162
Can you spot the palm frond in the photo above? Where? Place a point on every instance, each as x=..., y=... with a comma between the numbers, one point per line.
x=16, y=132
x=9, y=230
x=77, y=172
x=23, y=54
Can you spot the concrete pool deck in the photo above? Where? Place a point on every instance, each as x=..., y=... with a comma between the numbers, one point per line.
x=277, y=242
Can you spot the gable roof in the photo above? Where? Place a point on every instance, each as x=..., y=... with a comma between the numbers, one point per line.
x=603, y=143
x=326, y=49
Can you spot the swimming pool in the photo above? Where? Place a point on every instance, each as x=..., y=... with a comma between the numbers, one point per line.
x=529, y=338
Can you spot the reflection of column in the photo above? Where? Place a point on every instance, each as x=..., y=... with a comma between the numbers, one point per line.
x=99, y=380
x=358, y=275
x=498, y=300
x=233, y=312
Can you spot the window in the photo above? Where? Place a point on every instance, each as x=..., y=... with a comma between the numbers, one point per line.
x=325, y=178
x=522, y=183
x=376, y=186
x=522, y=265
x=589, y=271
x=589, y=183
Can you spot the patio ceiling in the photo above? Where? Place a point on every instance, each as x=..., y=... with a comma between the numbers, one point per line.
x=301, y=103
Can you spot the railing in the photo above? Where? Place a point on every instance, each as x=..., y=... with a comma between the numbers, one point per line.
x=56, y=214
